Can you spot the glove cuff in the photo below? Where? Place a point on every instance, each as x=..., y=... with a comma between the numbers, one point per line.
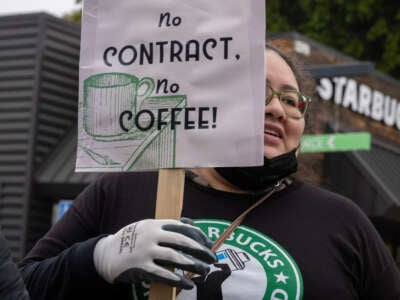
x=99, y=260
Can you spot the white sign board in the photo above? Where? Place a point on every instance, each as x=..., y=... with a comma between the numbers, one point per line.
x=171, y=84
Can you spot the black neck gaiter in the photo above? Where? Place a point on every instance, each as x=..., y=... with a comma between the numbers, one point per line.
x=257, y=178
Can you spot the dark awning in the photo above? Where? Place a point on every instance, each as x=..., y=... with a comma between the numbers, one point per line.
x=370, y=178
x=59, y=168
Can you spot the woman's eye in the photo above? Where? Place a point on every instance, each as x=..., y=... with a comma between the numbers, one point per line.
x=289, y=101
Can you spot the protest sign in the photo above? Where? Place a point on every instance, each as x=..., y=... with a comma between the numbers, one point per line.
x=171, y=84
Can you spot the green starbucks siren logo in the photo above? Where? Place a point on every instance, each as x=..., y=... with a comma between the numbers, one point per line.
x=249, y=261
x=250, y=266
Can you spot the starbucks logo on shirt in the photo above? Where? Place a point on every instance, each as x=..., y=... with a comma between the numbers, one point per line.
x=250, y=266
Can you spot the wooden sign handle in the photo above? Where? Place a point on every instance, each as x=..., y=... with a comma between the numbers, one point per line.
x=170, y=188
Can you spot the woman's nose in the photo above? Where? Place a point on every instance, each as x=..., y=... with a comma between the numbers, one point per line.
x=275, y=109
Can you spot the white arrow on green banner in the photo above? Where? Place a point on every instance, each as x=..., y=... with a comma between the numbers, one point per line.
x=336, y=142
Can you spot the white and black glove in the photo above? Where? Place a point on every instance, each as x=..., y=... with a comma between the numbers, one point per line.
x=141, y=251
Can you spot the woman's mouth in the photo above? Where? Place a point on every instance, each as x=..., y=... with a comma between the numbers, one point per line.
x=273, y=133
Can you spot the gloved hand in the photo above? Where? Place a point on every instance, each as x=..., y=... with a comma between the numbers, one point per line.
x=141, y=251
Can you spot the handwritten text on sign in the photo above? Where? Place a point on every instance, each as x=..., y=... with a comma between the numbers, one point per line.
x=170, y=84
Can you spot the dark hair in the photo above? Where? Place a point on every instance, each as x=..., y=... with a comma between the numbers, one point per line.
x=304, y=79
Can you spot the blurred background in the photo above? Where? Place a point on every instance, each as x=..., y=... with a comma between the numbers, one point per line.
x=59, y=8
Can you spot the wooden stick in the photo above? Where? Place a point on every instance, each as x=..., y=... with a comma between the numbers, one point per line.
x=170, y=187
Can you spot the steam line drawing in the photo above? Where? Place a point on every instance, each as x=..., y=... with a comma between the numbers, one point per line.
x=101, y=159
x=104, y=142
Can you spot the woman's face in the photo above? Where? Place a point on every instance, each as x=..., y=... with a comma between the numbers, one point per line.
x=281, y=133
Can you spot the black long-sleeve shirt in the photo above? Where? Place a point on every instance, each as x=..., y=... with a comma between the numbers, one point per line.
x=303, y=242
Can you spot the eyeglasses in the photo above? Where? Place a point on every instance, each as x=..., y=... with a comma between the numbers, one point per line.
x=293, y=102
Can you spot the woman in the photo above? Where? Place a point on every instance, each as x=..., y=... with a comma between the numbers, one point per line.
x=298, y=241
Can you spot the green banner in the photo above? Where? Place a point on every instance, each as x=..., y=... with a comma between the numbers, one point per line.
x=336, y=142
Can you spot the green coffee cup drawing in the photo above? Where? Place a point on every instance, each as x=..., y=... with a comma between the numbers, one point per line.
x=106, y=96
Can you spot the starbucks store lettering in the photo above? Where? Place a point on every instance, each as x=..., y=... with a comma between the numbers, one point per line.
x=361, y=99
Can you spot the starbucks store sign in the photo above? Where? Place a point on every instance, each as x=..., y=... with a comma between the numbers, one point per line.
x=361, y=99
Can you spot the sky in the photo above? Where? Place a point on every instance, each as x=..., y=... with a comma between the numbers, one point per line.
x=54, y=7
